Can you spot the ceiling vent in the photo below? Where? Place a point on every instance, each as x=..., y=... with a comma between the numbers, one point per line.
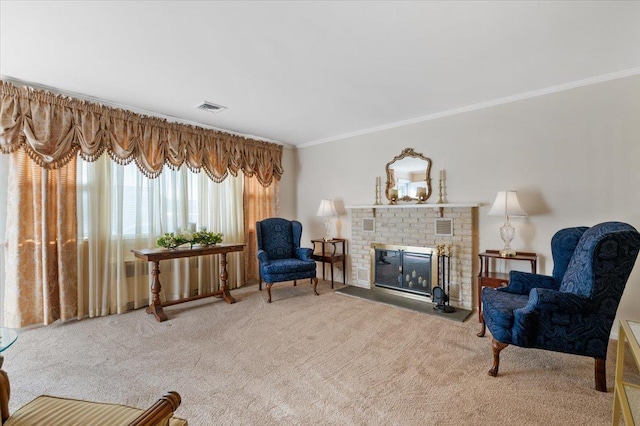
x=210, y=107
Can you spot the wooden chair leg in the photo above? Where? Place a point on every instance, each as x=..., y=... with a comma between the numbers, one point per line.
x=269, y=292
x=5, y=394
x=601, y=374
x=160, y=412
x=315, y=284
x=483, y=329
x=497, y=347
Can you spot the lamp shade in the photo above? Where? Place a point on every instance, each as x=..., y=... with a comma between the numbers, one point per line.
x=507, y=204
x=326, y=208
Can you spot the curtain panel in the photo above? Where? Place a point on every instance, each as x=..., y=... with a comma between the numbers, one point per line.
x=41, y=278
x=259, y=203
x=52, y=129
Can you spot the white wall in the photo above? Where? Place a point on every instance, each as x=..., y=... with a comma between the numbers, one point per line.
x=573, y=156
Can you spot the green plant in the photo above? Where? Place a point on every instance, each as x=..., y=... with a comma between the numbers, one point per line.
x=207, y=238
x=172, y=241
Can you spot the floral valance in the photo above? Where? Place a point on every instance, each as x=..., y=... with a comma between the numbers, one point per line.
x=52, y=129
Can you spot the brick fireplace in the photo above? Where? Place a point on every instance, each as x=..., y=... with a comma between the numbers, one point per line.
x=415, y=225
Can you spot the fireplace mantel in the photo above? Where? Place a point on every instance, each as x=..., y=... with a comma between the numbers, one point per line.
x=413, y=206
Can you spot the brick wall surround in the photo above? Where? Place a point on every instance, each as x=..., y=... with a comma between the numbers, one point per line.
x=414, y=226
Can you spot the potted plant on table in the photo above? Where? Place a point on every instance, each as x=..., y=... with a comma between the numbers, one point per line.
x=204, y=238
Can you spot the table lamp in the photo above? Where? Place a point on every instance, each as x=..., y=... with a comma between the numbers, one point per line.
x=327, y=210
x=506, y=204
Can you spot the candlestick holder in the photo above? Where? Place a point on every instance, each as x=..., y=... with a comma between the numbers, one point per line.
x=393, y=196
x=421, y=194
x=378, y=187
x=440, y=198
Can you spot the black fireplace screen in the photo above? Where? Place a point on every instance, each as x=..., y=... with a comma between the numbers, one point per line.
x=403, y=270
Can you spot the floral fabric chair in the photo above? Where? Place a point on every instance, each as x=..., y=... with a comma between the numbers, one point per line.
x=280, y=256
x=573, y=310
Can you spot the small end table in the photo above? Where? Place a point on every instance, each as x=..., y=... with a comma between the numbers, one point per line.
x=329, y=255
x=626, y=395
x=487, y=277
x=7, y=337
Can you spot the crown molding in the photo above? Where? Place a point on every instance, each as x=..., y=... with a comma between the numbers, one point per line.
x=482, y=105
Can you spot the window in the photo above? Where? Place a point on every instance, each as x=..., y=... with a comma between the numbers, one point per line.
x=125, y=196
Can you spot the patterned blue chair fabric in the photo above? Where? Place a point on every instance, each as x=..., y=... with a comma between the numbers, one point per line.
x=573, y=310
x=279, y=253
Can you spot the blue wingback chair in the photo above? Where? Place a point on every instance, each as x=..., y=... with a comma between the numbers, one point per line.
x=573, y=310
x=280, y=256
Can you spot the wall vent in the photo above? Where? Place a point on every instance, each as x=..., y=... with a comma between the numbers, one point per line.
x=130, y=269
x=444, y=227
x=363, y=275
x=210, y=107
x=369, y=225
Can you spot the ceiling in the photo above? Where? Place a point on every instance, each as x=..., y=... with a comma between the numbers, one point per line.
x=302, y=73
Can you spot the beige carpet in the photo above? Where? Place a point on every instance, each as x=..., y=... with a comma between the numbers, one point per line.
x=305, y=360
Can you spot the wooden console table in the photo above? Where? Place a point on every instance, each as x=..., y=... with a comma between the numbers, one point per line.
x=156, y=255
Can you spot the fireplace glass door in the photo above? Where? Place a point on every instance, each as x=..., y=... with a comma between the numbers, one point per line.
x=403, y=270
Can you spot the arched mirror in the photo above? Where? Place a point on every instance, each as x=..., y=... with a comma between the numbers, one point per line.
x=409, y=174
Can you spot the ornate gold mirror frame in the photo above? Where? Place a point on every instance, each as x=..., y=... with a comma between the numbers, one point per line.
x=408, y=177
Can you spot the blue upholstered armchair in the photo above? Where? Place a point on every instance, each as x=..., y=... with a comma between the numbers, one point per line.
x=280, y=256
x=573, y=310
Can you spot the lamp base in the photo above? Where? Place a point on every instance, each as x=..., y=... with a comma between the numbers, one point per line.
x=327, y=230
x=507, y=233
x=507, y=252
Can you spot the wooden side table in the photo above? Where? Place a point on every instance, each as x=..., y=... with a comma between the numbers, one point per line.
x=328, y=254
x=488, y=277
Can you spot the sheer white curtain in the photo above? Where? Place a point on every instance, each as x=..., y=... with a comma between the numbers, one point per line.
x=119, y=209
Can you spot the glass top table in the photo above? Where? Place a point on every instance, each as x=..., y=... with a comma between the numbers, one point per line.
x=7, y=337
x=626, y=395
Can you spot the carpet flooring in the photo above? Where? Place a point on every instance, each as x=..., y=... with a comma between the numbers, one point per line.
x=305, y=360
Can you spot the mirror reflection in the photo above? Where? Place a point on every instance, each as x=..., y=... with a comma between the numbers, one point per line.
x=408, y=177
